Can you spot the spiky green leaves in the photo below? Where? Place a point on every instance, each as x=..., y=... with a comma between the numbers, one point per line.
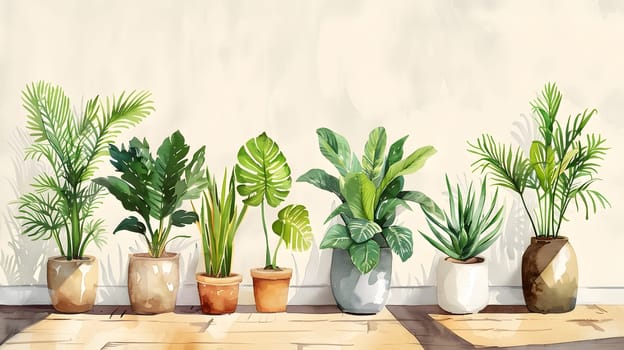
x=262, y=172
x=471, y=225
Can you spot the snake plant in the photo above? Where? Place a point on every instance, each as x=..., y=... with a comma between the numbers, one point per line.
x=370, y=193
x=219, y=220
x=64, y=200
x=264, y=178
x=156, y=187
x=561, y=167
x=472, y=227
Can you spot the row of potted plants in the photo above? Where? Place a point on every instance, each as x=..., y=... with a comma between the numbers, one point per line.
x=561, y=168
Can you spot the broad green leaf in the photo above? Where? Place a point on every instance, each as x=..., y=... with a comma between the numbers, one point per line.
x=194, y=175
x=124, y=194
x=424, y=201
x=132, y=224
x=262, y=172
x=409, y=165
x=293, y=225
x=337, y=237
x=373, y=158
x=362, y=230
x=365, y=256
x=393, y=189
x=167, y=179
x=359, y=193
x=342, y=209
x=336, y=149
x=395, y=153
x=322, y=180
x=386, y=210
x=399, y=239
x=182, y=218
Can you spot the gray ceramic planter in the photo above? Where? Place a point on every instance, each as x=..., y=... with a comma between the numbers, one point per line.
x=358, y=293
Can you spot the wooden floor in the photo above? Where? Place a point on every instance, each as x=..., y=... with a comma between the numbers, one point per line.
x=313, y=327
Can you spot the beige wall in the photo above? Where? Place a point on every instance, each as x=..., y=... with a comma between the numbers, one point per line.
x=223, y=71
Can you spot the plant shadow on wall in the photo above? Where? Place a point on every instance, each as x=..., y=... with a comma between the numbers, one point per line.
x=22, y=262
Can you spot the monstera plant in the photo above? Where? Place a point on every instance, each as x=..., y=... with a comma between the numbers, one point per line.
x=155, y=188
x=264, y=179
x=370, y=193
x=64, y=200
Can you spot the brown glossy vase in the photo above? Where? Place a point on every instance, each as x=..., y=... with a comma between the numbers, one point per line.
x=153, y=283
x=271, y=289
x=218, y=295
x=72, y=284
x=549, y=275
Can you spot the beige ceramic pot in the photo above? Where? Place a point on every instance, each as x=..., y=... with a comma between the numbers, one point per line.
x=271, y=289
x=549, y=275
x=72, y=284
x=153, y=283
x=218, y=295
x=462, y=286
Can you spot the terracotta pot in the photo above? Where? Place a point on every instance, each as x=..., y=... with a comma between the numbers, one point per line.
x=271, y=289
x=218, y=295
x=462, y=286
x=549, y=275
x=358, y=293
x=153, y=283
x=72, y=284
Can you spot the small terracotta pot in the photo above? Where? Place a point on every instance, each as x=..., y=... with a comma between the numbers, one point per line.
x=549, y=275
x=271, y=289
x=153, y=283
x=218, y=295
x=72, y=284
x=462, y=286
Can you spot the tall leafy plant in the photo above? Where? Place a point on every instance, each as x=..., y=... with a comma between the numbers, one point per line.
x=64, y=200
x=155, y=188
x=264, y=178
x=473, y=226
x=370, y=192
x=218, y=223
x=561, y=167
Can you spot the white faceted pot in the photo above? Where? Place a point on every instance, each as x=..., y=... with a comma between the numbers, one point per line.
x=462, y=286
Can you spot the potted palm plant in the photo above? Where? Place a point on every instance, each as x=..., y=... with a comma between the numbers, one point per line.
x=264, y=178
x=472, y=227
x=64, y=200
x=370, y=193
x=560, y=170
x=218, y=223
x=155, y=188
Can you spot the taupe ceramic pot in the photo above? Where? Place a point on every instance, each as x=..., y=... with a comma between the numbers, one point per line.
x=72, y=284
x=218, y=295
x=271, y=289
x=549, y=275
x=153, y=283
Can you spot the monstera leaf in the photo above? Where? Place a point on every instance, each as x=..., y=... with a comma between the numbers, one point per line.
x=262, y=172
x=293, y=226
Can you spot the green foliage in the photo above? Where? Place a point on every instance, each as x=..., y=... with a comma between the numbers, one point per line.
x=156, y=187
x=473, y=226
x=370, y=194
x=218, y=223
x=560, y=168
x=63, y=202
x=264, y=177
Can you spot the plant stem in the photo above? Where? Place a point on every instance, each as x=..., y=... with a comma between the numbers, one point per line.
x=266, y=237
x=75, y=228
x=528, y=214
x=274, y=263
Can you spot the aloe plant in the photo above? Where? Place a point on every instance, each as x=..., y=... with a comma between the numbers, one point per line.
x=156, y=187
x=472, y=227
x=264, y=178
x=218, y=223
x=64, y=200
x=370, y=192
x=561, y=167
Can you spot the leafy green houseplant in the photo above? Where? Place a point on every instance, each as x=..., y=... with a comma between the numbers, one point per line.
x=155, y=188
x=473, y=225
x=219, y=220
x=370, y=193
x=264, y=178
x=64, y=200
x=561, y=169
